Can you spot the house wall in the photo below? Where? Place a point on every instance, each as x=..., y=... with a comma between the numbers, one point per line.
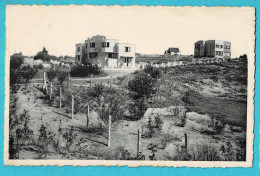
x=219, y=51
x=227, y=52
x=85, y=54
x=199, y=49
x=209, y=48
x=213, y=48
x=122, y=54
x=79, y=53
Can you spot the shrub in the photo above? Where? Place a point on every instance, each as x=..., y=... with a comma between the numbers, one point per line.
x=137, y=108
x=111, y=103
x=158, y=122
x=18, y=72
x=28, y=72
x=97, y=90
x=70, y=138
x=52, y=73
x=62, y=75
x=141, y=86
x=40, y=66
x=16, y=60
x=154, y=72
x=85, y=70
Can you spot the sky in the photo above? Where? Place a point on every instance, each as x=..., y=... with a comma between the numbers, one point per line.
x=152, y=29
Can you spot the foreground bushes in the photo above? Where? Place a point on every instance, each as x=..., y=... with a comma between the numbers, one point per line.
x=105, y=101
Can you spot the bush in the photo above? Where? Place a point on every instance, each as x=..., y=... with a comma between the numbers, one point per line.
x=16, y=61
x=52, y=73
x=142, y=86
x=18, y=72
x=40, y=66
x=158, y=122
x=62, y=75
x=111, y=103
x=153, y=71
x=27, y=72
x=141, y=89
x=85, y=70
x=138, y=108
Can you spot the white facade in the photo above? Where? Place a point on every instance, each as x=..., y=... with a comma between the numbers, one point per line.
x=106, y=53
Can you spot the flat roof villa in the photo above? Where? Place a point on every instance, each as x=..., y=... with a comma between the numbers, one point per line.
x=106, y=53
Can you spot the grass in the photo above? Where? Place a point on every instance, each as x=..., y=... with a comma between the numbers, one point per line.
x=234, y=112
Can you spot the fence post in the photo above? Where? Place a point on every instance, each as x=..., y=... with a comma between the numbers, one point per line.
x=51, y=91
x=44, y=81
x=88, y=116
x=91, y=82
x=162, y=77
x=127, y=81
x=60, y=97
x=109, y=129
x=68, y=80
x=139, y=142
x=111, y=82
x=186, y=141
x=72, y=106
x=46, y=89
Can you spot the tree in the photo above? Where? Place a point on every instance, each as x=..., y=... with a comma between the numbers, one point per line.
x=141, y=88
x=51, y=75
x=62, y=75
x=42, y=55
x=28, y=72
x=16, y=62
x=111, y=103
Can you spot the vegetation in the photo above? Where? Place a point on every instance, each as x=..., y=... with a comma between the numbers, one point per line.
x=176, y=88
x=85, y=70
x=18, y=72
x=44, y=56
x=141, y=88
x=154, y=72
x=222, y=109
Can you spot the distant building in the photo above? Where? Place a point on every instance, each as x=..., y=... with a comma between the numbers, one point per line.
x=172, y=51
x=106, y=53
x=212, y=48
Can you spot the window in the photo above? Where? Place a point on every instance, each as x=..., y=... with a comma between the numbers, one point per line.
x=221, y=46
x=227, y=54
x=92, y=45
x=127, y=59
x=105, y=44
x=112, y=55
x=227, y=47
x=219, y=53
x=92, y=55
x=78, y=57
x=127, y=49
x=78, y=49
x=198, y=46
x=217, y=46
